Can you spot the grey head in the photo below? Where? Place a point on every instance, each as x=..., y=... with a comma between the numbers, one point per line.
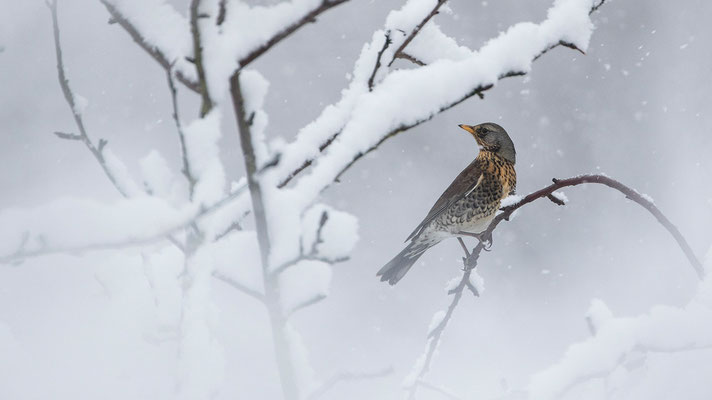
x=494, y=138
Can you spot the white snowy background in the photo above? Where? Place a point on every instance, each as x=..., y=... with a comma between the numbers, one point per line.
x=103, y=324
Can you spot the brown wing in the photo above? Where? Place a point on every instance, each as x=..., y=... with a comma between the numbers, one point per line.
x=465, y=182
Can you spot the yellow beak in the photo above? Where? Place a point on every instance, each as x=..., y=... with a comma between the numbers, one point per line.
x=468, y=128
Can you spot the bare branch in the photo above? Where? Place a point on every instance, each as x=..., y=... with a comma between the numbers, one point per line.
x=306, y=303
x=155, y=53
x=347, y=377
x=68, y=136
x=410, y=58
x=387, y=42
x=555, y=200
x=308, y=18
x=70, y=98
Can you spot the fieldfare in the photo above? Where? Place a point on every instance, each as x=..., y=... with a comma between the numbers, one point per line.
x=469, y=204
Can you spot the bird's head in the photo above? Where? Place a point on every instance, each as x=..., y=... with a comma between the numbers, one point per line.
x=492, y=137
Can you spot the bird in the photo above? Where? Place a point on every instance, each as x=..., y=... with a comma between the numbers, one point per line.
x=469, y=204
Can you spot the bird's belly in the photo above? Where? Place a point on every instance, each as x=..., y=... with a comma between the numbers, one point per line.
x=476, y=225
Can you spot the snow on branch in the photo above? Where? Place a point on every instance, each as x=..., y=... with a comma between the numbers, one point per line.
x=55, y=228
x=364, y=119
x=615, y=340
x=509, y=206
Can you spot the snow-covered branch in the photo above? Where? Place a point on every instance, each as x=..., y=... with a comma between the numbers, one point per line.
x=362, y=120
x=618, y=340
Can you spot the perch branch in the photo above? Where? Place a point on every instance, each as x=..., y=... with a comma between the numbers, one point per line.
x=471, y=258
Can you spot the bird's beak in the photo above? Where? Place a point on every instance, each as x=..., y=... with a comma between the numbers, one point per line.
x=473, y=132
x=468, y=128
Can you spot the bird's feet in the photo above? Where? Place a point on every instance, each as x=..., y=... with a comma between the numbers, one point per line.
x=484, y=237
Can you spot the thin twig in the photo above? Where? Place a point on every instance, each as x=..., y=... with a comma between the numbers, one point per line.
x=96, y=151
x=239, y=286
x=153, y=51
x=187, y=172
x=308, y=18
x=416, y=30
x=306, y=303
x=387, y=42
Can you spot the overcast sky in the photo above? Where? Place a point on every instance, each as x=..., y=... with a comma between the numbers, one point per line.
x=636, y=107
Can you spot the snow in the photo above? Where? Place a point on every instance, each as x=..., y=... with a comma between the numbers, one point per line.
x=75, y=223
x=432, y=44
x=201, y=364
x=303, y=282
x=202, y=150
x=392, y=103
x=510, y=201
x=157, y=177
x=438, y=317
x=80, y=104
x=560, y=196
x=237, y=256
x=306, y=377
x=662, y=329
x=647, y=197
x=120, y=174
x=477, y=282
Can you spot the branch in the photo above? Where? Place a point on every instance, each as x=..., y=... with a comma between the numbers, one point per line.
x=70, y=98
x=306, y=303
x=96, y=151
x=417, y=29
x=154, y=52
x=239, y=286
x=181, y=135
x=387, y=42
x=470, y=259
x=44, y=250
x=198, y=57
x=477, y=91
x=347, y=377
x=308, y=18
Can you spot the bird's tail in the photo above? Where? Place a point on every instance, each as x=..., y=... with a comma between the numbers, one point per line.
x=400, y=264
